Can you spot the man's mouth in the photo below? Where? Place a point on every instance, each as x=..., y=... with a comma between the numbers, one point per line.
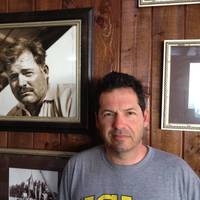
x=24, y=92
x=120, y=137
x=120, y=134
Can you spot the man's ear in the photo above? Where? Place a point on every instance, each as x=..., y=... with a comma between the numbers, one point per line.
x=146, y=118
x=46, y=69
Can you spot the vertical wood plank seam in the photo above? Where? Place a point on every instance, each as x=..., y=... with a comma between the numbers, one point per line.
x=34, y=5
x=62, y=4
x=7, y=7
x=7, y=10
x=183, y=145
x=182, y=153
x=185, y=23
x=151, y=85
x=120, y=37
x=7, y=139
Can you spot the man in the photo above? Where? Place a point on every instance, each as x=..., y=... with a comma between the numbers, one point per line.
x=124, y=168
x=24, y=64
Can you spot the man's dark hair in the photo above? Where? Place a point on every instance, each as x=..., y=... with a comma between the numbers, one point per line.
x=115, y=80
x=12, y=51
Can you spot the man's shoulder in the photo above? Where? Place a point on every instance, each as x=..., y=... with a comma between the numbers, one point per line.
x=18, y=110
x=60, y=90
x=169, y=161
x=165, y=156
x=14, y=111
x=87, y=155
x=66, y=88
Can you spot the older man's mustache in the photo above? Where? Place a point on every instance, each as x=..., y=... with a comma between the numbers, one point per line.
x=23, y=90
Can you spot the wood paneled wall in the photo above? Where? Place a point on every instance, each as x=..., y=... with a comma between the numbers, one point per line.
x=127, y=39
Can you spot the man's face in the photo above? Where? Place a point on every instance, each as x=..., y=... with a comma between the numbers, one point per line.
x=120, y=120
x=27, y=79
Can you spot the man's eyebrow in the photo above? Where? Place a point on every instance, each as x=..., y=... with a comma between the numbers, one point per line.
x=129, y=109
x=126, y=109
x=26, y=69
x=12, y=75
x=107, y=110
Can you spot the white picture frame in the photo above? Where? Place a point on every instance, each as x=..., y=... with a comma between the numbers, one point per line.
x=147, y=3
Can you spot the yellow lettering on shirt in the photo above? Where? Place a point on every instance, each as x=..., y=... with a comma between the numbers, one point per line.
x=126, y=198
x=109, y=197
x=89, y=198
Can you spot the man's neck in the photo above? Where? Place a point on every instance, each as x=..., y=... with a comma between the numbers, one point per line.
x=131, y=157
x=34, y=109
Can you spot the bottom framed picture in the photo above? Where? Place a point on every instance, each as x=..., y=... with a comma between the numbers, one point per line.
x=31, y=175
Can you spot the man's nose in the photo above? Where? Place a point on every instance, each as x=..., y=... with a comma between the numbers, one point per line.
x=22, y=80
x=119, y=121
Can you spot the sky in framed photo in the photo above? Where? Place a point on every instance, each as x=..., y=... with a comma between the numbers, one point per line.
x=62, y=62
x=194, y=82
x=62, y=69
x=32, y=183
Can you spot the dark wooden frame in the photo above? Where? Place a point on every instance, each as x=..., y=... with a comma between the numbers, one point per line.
x=29, y=159
x=83, y=17
x=176, y=112
x=146, y=3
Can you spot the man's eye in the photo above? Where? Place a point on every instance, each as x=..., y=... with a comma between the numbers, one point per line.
x=131, y=113
x=28, y=74
x=108, y=114
x=13, y=77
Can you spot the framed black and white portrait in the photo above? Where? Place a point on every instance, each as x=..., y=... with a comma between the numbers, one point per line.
x=45, y=64
x=32, y=184
x=31, y=174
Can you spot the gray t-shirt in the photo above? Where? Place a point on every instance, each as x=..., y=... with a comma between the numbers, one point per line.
x=159, y=176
